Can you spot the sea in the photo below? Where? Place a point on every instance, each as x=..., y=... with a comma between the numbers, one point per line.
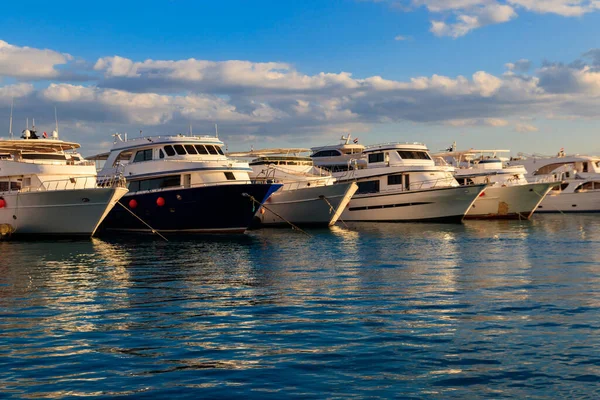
x=482, y=310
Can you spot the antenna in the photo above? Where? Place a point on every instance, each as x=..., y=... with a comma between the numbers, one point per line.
x=55, y=133
x=190, y=131
x=27, y=123
x=216, y=131
x=10, y=132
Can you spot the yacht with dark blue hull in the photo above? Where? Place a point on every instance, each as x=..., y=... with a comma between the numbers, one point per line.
x=181, y=184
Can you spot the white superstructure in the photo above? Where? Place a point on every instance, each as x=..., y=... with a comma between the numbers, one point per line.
x=402, y=183
x=345, y=156
x=579, y=177
x=46, y=188
x=308, y=195
x=509, y=195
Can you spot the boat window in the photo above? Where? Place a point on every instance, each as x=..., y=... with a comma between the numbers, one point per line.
x=123, y=156
x=326, y=153
x=211, y=149
x=407, y=181
x=375, y=158
x=230, y=176
x=191, y=149
x=41, y=156
x=585, y=167
x=588, y=186
x=219, y=150
x=560, y=187
x=161, y=154
x=4, y=187
x=394, y=179
x=154, y=183
x=413, y=155
x=143, y=155
x=179, y=149
x=201, y=149
x=546, y=169
x=170, y=151
x=368, y=187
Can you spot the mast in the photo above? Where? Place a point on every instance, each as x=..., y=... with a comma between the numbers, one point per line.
x=216, y=131
x=10, y=132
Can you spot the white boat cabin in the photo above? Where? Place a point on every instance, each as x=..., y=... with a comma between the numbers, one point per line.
x=161, y=162
x=399, y=167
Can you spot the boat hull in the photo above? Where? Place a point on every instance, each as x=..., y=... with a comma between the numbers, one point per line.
x=430, y=205
x=314, y=206
x=580, y=202
x=72, y=212
x=509, y=202
x=206, y=209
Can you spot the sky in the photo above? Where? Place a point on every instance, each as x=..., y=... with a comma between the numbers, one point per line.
x=522, y=75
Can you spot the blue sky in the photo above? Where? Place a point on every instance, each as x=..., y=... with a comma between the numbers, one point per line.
x=544, y=103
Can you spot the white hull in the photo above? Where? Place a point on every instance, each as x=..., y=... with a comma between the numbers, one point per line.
x=448, y=204
x=571, y=202
x=59, y=212
x=320, y=205
x=509, y=202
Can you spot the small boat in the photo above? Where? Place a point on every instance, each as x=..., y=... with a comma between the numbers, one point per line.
x=509, y=195
x=577, y=178
x=48, y=189
x=401, y=183
x=308, y=196
x=181, y=184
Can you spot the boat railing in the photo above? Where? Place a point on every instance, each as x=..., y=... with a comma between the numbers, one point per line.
x=75, y=182
x=379, y=145
x=432, y=183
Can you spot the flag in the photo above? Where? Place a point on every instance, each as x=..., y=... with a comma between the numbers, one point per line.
x=355, y=140
x=45, y=135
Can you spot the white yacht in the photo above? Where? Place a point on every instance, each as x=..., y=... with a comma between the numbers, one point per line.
x=402, y=183
x=578, y=175
x=345, y=156
x=182, y=184
x=509, y=195
x=308, y=195
x=47, y=189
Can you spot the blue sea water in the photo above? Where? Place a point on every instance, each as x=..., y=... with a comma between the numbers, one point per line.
x=426, y=311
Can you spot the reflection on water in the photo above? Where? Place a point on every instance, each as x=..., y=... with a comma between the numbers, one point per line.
x=484, y=309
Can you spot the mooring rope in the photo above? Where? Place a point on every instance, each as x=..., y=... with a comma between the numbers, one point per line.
x=331, y=208
x=142, y=221
x=277, y=215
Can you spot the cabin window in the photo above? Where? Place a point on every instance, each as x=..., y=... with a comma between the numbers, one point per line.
x=143, y=155
x=211, y=149
x=407, y=182
x=161, y=154
x=5, y=187
x=230, y=176
x=588, y=186
x=368, y=187
x=154, y=183
x=190, y=149
x=326, y=153
x=169, y=150
x=394, y=179
x=375, y=158
x=201, y=149
x=585, y=167
x=123, y=156
x=38, y=156
x=413, y=155
x=560, y=187
x=219, y=150
x=179, y=149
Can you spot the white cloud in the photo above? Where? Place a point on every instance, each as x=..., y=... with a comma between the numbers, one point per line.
x=11, y=92
x=28, y=62
x=525, y=128
x=402, y=38
x=456, y=18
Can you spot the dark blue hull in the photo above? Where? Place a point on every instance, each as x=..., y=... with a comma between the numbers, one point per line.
x=208, y=209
